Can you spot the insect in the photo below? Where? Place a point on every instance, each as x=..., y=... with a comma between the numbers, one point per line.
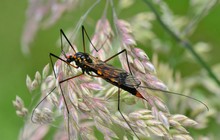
x=90, y=64
x=95, y=67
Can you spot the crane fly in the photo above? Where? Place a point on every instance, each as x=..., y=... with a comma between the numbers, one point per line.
x=95, y=67
x=90, y=64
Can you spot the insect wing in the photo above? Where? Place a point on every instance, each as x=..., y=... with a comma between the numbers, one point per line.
x=115, y=74
x=131, y=81
x=108, y=71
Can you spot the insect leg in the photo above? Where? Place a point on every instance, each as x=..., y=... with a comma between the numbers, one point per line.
x=60, y=82
x=68, y=120
x=123, y=115
x=32, y=115
x=63, y=34
x=108, y=37
x=126, y=54
x=84, y=31
x=83, y=38
x=51, y=54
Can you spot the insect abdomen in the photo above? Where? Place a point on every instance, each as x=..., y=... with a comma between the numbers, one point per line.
x=133, y=91
x=115, y=82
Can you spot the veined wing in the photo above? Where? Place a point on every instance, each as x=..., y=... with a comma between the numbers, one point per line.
x=106, y=70
x=131, y=81
x=103, y=68
x=114, y=74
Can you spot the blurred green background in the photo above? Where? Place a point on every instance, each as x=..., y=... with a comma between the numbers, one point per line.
x=15, y=65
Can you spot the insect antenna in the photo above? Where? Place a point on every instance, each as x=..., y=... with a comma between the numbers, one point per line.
x=179, y=94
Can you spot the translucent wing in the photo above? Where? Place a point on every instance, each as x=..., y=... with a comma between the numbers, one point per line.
x=111, y=73
x=131, y=81
x=106, y=69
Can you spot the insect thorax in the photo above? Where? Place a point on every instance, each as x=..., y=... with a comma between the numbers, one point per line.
x=81, y=59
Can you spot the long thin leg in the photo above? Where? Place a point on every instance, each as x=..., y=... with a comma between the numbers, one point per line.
x=115, y=55
x=103, y=43
x=123, y=115
x=126, y=55
x=63, y=34
x=32, y=115
x=84, y=31
x=60, y=82
x=61, y=42
x=51, y=54
x=67, y=110
x=83, y=38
